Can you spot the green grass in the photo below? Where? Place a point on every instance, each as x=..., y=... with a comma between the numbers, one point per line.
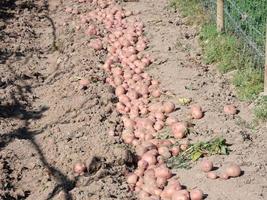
x=220, y=48
x=226, y=51
x=249, y=83
x=190, y=9
x=260, y=110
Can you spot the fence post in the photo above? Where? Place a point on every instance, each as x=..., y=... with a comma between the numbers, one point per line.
x=220, y=15
x=265, y=71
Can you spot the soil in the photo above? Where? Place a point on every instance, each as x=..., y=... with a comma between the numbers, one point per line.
x=180, y=68
x=49, y=122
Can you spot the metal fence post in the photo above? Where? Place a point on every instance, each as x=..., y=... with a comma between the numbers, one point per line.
x=220, y=15
x=265, y=72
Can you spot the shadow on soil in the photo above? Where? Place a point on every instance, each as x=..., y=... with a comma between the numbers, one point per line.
x=24, y=111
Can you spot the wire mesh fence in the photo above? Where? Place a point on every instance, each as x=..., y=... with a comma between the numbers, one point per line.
x=247, y=20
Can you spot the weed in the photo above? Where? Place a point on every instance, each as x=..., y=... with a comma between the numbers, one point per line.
x=198, y=150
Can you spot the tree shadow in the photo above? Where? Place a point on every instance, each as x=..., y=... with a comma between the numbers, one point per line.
x=63, y=182
x=24, y=111
x=23, y=133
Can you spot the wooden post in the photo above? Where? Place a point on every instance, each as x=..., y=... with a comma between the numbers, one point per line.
x=265, y=79
x=220, y=15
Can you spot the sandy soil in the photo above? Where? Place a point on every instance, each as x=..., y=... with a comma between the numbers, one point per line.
x=181, y=71
x=48, y=122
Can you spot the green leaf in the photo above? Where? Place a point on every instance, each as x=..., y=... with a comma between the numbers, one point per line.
x=196, y=155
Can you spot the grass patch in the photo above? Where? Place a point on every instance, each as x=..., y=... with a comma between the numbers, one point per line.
x=226, y=51
x=249, y=83
x=260, y=110
x=218, y=48
x=190, y=9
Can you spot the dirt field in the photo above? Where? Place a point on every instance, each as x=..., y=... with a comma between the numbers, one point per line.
x=48, y=122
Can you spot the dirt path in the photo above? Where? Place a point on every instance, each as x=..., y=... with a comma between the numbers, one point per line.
x=48, y=122
x=179, y=68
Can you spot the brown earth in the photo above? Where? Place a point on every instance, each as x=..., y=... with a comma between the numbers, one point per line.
x=182, y=73
x=48, y=122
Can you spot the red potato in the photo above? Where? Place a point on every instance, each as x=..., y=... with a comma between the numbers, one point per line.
x=140, y=150
x=233, y=170
x=157, y=193
x=132, y=179
x=149, y=175
x=160, y=160
x=120, y=108
x=196, y=194
x=142, y=164
x=184, y=144
x=127, y=136
x=181, y=195
x=79, y=168
x=117, y=71
x=224, y=176
x=132, y=94
x=154, y=152
x=140, y=182
x=155, y=107
x=128, y=13
x=135, y=142
x=230, y=109
x=140, y=46
x=212, y=175
x=68, y=10
x=91, y=30
x=175, y=150
x=128, y=123
x=158, y=125
x=161, y=182
x=149, y=158
x=171, y=120
x=148, y=137
x=144, y=111
x=163, y=172
x=120, y=90
x=143, y=195
x=139, y=134
x=106, y=67
x=96, y=44
x=156, y=93
x=168, y=107
x=84, y=83
x=118, y=80
x=206, y=165
x=196, y=112
x=164, y=151
x=179, y=130
x=170, y=190
x=159, y=115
